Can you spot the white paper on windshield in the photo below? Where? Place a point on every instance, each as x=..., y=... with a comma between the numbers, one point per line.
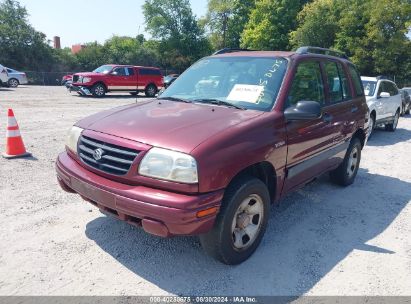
x=245, y=92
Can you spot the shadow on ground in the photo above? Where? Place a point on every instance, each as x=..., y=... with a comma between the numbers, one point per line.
x=309, y=233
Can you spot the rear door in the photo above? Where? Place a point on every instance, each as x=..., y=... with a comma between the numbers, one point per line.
x=310, y=143
x=340, y=104
x=394, y=102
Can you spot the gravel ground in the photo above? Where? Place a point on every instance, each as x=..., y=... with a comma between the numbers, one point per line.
x=321, y=240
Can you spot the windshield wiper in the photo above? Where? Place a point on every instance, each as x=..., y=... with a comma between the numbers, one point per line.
x=219, y=103
x=174, y=99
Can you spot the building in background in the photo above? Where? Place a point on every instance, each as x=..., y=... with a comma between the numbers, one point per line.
x=77, y=48
x=57, y=43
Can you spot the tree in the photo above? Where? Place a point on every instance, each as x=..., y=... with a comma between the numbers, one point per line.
x=216, y=21
x=371, y=33
x=238, y=21
x=173, y=24
x=270, y=24
x=21, y=46
x=225, y=21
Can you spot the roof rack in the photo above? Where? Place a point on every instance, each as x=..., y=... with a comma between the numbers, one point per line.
x=322, y=51
x=230, y=50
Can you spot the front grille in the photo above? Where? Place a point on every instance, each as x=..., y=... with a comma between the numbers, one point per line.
x=109, y=158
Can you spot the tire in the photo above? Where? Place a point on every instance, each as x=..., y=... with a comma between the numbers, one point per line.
x=151, y=90
x=346, y=172
x=98, y=90
x=230, y=242
x=371, y=125
x=13, y=83
x=393, y=126
x=408, y=110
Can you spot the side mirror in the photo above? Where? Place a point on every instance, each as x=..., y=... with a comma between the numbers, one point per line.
x=385, y=95
x=114, y=73
x=303, y=110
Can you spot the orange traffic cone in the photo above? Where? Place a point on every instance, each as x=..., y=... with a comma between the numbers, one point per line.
x=14, y=143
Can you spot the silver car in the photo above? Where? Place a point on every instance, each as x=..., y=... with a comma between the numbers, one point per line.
x=16, y=78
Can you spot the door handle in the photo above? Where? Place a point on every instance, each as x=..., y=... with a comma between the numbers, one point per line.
x=354, y=109
x=327, y=117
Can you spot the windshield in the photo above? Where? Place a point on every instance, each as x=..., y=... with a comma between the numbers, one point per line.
x=104, y=69
x=369, y=87
x=246, y=82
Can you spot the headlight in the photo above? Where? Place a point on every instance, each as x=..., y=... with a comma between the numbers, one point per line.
x=169, y=165
x=72, y=138
x=86, y=79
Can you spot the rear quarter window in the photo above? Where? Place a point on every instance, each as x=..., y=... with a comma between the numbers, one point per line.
x=151, y=72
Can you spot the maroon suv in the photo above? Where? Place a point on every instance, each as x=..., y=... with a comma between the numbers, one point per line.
x=236, y=132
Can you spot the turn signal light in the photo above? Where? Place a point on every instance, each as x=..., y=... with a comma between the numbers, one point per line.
x=209, y=211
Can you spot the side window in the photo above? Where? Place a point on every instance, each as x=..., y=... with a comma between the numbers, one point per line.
x=344, y=82
x=381, y=88
x=120, y=71
x=307, y=83
x=334, y=82
x=393, y=90
x=130, y=71
x=356, y=80
x=143, y=72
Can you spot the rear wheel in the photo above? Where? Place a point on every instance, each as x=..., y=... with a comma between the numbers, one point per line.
x=151, y=90
x=241, y=222
x=393, y=126
x=98, y=90
x=345, y=174
x=13, y=83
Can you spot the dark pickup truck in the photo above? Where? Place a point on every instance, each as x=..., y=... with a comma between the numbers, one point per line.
x=234, y=133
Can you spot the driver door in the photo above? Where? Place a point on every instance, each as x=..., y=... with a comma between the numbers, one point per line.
x=310, y=142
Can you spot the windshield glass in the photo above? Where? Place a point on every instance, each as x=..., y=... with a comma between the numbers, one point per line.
x=246, y=82
x=104, y=69
x=369, y=87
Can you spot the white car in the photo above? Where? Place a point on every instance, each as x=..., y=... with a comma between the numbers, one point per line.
x=4, y=76
x=384, y=102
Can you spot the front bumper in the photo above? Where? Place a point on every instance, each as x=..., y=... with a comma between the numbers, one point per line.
x=159, y=212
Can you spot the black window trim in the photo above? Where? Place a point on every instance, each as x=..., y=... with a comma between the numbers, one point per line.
x=295, y=68
x=347, y=76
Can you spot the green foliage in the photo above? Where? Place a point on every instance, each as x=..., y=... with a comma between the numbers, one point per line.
x=173, y=24
x=270, y=24
x=225, y=21
x=371, y=33
x=21, y=46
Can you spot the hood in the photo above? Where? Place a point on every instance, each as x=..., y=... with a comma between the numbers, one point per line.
x=173, y=125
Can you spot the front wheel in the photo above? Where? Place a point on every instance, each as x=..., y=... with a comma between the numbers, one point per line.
x=393, y=126
x=151, y=90
x=241, y=222
x=13, y=83
x=98, y=90
x=345, y=174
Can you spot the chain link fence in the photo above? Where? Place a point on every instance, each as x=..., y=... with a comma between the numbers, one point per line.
x=55, y=78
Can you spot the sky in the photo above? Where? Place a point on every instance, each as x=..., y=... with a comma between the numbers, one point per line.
x=80, y=21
